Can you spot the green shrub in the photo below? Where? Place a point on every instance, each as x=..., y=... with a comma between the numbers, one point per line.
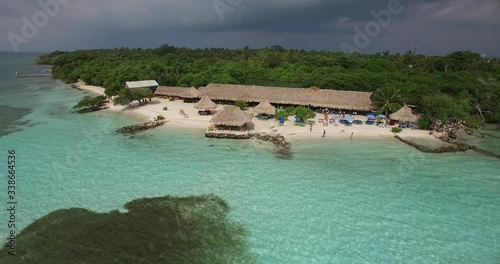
x=290, y=110
x=281, y=113
x=160, y=117
x=165, y=108
x=171, y=99
x=424, y=123
x=304, y=113
x=396, y=130
x=241, y=104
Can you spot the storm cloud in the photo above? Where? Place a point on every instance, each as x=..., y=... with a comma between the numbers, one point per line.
x=437, y=27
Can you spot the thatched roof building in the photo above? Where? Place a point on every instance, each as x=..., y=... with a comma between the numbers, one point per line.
x=172, y=91
x=141, y=84
x=190, y=93
x=231, y=116
x=265, y=108
x=205, y=104
x=404, y=114
x=150, y=84
x=290, y=96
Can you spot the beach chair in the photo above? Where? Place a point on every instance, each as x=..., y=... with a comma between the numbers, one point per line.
x=282, y=121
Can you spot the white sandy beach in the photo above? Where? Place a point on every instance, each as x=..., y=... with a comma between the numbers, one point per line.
x=196, y=122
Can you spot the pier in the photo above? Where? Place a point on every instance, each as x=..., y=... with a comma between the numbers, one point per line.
x=33, y=75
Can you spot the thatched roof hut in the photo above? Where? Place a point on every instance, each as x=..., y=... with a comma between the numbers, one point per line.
x=170, y=91
x=404, y=114
x=265, y=108
x=190, y=93
x=231, y=116
x=291, y=96
x=205, y=104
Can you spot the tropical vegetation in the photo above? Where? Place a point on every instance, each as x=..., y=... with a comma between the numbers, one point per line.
x=466, y=82
x=89, y=104
x=127, y=96
x=241, y=104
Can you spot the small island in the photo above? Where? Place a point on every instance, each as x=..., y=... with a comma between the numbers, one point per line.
x=355, y=104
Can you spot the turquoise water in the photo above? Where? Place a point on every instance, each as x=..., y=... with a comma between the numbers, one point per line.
x=358, y=201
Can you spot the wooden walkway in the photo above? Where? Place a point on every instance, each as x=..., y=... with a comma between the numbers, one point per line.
x=33, y=75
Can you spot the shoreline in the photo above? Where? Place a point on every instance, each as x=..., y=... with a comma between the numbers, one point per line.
x=195, y=122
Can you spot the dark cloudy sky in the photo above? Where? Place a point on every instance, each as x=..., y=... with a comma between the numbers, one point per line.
x=438, y=27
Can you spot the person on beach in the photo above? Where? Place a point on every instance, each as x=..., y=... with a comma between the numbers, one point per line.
x=311, y=128
x=352, y=133
x=324, y=133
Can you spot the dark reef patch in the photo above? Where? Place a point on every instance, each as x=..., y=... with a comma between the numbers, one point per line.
x=194, y=229
x=11, y=119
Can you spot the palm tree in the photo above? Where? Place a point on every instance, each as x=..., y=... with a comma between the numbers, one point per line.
x=387, y=100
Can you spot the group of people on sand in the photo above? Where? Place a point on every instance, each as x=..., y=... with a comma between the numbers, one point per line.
x=324, y=131
x=326, y=112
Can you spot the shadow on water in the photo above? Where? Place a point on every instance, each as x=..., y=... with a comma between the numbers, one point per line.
x=283, y=152
x=11, y=119
x=194, y=229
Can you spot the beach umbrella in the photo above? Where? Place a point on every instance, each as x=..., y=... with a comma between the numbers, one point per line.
x=381, y=116
x=205, y=104
x=349, y=117
x=371, y=116
x=264, y=108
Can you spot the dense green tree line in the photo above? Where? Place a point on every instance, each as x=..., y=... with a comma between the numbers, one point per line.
x=413, y=76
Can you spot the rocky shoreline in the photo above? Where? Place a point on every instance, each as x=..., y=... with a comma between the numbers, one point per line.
x=140, y=127
x=276, y=139
x=92, y=109
x=282, y=147
x=442, y=145
x=433, y=145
